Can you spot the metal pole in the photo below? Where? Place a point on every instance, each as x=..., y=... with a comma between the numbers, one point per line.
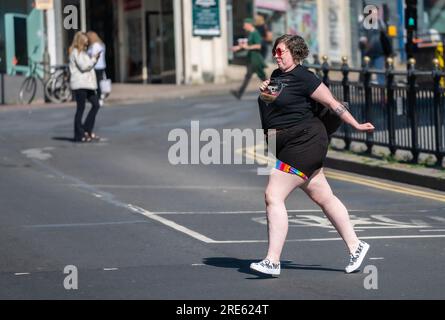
x=391, y=105
x=144, y=44
x=368, y=103
x=2, y=87
x=412, y=105
x=325, y=70
x=46, y=57
x=437, y=112
x=346, y=97
x=83, y=16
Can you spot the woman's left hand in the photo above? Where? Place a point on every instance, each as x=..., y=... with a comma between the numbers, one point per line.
x=365, y=127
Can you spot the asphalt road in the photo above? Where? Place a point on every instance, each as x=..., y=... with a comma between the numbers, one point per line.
x=124, y=223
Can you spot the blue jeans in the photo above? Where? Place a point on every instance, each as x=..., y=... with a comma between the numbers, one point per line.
x=379, y=63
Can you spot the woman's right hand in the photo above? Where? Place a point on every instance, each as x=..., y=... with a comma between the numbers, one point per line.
x=365, y=127
x=264, y=85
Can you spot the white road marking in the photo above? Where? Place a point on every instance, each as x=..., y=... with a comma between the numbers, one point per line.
x=198, y=264
x=239, y=212
x=111, y=269
x=38, y=153
x=335, y=239
x=377, y=258
x=174, y=187
x=170, y=224
x=357, y=230
x=22, y=273
x=71, y=225
x=433, y=230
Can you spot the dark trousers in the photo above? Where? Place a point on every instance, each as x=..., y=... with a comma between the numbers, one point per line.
x=100, y=74
x=82, y=95
x=249, y=73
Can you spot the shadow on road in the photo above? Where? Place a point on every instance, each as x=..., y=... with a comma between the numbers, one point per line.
x=243, y=266
x=69, y=139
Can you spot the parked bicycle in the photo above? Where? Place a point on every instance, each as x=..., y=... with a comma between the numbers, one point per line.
x=56, y=88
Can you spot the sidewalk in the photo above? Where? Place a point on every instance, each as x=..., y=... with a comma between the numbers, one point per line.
x=123, y=94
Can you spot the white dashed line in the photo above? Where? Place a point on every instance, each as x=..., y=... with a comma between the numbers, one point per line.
x=170, y=224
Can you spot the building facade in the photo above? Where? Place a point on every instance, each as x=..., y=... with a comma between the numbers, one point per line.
x=189, y=41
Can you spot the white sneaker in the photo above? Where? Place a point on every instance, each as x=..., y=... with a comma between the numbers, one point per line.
x=101, y=102
x=356, y=259
x=266, y=267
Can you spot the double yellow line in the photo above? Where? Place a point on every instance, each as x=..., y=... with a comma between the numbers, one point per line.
x=385, y=186
x=250, y=153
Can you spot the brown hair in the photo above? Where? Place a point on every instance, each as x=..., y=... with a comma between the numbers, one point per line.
x=80, y=42
x=295, y=44
x=93, y=37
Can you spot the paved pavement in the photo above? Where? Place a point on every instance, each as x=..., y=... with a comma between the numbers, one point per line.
x=135, y=226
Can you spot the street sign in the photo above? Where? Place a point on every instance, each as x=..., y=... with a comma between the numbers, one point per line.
x=43, y=4
x=206, y=21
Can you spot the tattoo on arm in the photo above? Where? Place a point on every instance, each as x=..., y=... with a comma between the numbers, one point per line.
x=340, y=110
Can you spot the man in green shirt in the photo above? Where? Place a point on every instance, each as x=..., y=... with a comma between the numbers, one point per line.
x=255, y=61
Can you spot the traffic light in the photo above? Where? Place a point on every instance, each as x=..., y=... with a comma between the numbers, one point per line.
x=411, y=15
x=410, y=26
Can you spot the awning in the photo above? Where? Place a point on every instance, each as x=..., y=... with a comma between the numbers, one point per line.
x=277, y=5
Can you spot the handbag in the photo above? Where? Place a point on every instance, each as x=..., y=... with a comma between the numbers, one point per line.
x=329, y=118
x=105, y=85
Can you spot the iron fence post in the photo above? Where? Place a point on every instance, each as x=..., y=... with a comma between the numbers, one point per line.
x=438, y=120
x=325, y=70
x=390, y=105
x=412, y=112
x=368, y=102
x=346, y=98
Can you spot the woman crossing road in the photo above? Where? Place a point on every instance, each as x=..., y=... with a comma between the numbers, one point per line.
x=301, y=147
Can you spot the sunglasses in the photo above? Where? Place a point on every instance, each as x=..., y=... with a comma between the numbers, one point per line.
x=278, y=52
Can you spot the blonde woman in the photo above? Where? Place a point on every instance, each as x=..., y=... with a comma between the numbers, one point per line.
x=84, y=85
x=97, y=46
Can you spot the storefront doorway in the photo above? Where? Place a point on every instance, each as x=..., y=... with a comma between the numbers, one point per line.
x=160, y=41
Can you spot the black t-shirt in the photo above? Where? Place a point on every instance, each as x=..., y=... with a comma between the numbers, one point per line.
x=293, y=104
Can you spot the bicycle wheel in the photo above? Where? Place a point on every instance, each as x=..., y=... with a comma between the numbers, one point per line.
x=28, y=90
x=49, y=90
x=60, y=90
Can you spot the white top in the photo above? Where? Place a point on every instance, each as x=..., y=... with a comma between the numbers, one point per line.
x=93, y=50
x=82, y=71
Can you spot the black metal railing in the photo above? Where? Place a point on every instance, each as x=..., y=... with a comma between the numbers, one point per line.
x=408, y=110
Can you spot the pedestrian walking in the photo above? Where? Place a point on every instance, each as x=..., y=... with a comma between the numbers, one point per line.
x=266, y=35
x=375, y=44
x=301, y=147
x=84, y=85
x=255, y=61
x=96, y=45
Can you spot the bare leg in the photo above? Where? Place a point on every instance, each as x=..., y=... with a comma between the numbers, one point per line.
x=318, y=189
x=280, y=185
